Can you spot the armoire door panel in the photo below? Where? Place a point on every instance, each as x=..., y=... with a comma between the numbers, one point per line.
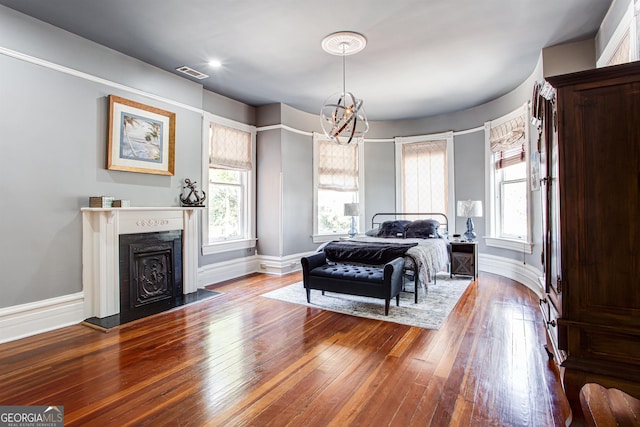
x=598, y=222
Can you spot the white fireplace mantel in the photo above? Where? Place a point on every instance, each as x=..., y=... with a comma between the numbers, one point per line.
x=101, y=228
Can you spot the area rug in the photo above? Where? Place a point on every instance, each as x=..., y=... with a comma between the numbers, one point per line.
x=430, y=312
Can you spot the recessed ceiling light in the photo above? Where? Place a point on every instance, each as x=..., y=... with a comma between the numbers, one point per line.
x=215, y=63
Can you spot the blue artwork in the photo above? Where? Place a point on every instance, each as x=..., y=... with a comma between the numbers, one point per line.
x=141, y=138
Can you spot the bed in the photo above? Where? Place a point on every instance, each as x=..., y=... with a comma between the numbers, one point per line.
x=421, y=239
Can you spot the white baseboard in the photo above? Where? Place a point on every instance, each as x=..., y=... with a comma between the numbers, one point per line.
x=227, y=270
x=34, y=318
x=273, y=265
x=279, y=266
x=512, y=269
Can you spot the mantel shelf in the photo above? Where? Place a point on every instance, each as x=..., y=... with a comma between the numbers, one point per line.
x=144, y=208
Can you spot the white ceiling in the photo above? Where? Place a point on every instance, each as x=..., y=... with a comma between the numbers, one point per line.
x=423, y=57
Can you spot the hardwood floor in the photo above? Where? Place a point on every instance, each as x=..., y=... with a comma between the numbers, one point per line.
x=240, y=359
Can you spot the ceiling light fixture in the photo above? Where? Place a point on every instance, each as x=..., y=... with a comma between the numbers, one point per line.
x=342, y=116
x=215, y=63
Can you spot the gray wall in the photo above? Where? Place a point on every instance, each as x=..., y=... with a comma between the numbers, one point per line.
x=379, y=179
x=297, y=200
x=469, y=173
x=269, y=197
x=285, y=181
x=569, y=58
x=53, y=136
x=228, y=108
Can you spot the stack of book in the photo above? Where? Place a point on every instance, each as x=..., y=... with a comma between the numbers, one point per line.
x=101, y=201
x=121, y=204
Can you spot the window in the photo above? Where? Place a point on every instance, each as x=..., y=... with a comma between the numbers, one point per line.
x=337, y=178
x=227, y=189
x=424, y=168
x=508, y=214
x=511, y=192
x=230, y=189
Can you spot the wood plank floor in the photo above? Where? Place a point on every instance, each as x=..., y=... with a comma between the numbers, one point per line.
x=240, y=359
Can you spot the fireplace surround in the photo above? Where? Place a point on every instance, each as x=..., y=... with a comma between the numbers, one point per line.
x=150, y=269
x=101, y=231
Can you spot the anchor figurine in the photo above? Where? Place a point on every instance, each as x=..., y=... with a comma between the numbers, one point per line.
x=192, y=198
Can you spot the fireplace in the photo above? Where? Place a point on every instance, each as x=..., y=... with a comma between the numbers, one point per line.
x=169, y=269
x=150, y=269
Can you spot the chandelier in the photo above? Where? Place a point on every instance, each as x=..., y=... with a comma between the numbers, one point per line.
x=342, y=116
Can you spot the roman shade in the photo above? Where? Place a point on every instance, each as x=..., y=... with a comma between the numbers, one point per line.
x=229, y=148
x=337, y=166
x=508, y=142
x=424, y=175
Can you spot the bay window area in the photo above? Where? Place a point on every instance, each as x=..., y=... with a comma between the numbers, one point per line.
x=509, y=217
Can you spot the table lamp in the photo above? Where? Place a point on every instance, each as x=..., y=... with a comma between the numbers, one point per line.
x=352, y=210
x=469, y=209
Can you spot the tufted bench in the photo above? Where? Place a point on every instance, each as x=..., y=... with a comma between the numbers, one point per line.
x=376, y=282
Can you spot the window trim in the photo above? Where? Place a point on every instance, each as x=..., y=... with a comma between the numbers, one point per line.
x=448, y=136
x=491, y=238
x=321, y=238
x=250, y=239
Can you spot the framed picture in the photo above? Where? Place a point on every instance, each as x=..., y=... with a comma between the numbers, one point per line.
x=141, y=138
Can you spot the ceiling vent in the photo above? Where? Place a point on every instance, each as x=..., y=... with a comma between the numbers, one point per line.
x=191, y=72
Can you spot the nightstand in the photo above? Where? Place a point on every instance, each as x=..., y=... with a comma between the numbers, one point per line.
x=464, y=258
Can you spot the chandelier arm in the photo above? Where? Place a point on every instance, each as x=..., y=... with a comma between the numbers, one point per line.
x=353, y=128
x=335, y=112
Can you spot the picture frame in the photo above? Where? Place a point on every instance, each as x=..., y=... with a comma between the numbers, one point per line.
x=141, y=138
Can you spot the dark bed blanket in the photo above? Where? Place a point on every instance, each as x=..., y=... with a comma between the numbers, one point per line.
x=365, y=252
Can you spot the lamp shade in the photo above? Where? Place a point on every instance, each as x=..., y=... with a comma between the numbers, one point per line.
x=469, y=208
x=351, y=209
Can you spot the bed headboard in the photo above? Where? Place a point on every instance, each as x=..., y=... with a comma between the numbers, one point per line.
x=381, y=217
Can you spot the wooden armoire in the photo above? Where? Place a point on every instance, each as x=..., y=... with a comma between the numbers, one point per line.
x=590, y=158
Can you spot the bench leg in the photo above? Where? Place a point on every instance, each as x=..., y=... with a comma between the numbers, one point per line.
x=308, y=295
